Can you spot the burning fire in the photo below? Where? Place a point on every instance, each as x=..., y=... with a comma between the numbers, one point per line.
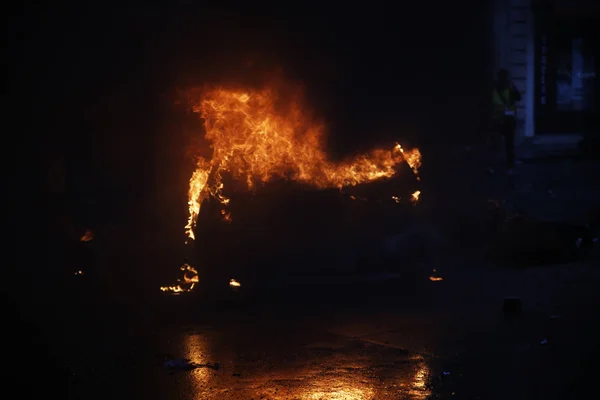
x=190, y=278
x=415, y=196
x=435, y=278
x=256, y=138
x=226, y=215
x=87, y=236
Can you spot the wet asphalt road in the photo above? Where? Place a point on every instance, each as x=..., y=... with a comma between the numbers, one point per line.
x=375, y=338
x=338, y=337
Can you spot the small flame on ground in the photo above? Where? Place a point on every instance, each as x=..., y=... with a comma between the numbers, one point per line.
x=79, y=272
x=190, y=278
x=396, y=199
x=415, y=196
x=234, y=283
x=435, y=278
x=88, y=235
x=226, y=215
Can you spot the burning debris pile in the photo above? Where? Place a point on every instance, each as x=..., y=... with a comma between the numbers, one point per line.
x=259, y=136
x=190, y=278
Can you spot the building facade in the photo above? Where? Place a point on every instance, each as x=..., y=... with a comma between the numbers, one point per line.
x=551, y=49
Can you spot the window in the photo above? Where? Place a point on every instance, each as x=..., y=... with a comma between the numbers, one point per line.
x=575, y=75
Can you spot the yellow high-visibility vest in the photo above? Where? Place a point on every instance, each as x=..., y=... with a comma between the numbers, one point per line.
x=501, y=103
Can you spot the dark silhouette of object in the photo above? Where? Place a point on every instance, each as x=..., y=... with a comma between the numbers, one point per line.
x=521, y=241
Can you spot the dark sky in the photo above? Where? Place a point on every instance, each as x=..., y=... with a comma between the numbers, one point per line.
x=95, y=83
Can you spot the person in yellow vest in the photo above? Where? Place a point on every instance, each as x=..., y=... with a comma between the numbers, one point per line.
x=505, y=96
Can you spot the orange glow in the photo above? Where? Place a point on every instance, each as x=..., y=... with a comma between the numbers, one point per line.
x=226, y=215
x=343, y=391
x=435, y=278
x=87, y=236
x=256, y=136
x=234, y=283
x=415, y=196
x=190, y=278
x=418, y=389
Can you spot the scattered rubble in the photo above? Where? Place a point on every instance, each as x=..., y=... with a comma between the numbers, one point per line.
x=184, y=364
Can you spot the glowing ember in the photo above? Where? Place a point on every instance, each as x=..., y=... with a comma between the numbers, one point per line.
x=190, y=278
x=234, y=283
x=256, y=137
x=89, y=235
x=226, y=215
x=415, y=196
x=435, y=278
x=79, y=272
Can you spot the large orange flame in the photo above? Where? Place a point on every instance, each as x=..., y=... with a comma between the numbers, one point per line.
x=255, y=138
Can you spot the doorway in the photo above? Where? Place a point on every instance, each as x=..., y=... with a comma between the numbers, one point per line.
x=566, y=74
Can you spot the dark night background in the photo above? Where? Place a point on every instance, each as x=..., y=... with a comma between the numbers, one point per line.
x=96, y=138
x=93, y=88
x=97, y=82
x=103, y=145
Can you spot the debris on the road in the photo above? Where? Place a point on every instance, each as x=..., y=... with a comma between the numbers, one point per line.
x=544, y=341
x=512, y=306
x=185, y=364
x=180, y=363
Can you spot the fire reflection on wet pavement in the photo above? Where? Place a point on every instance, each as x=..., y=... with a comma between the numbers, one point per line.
x=298, y=365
